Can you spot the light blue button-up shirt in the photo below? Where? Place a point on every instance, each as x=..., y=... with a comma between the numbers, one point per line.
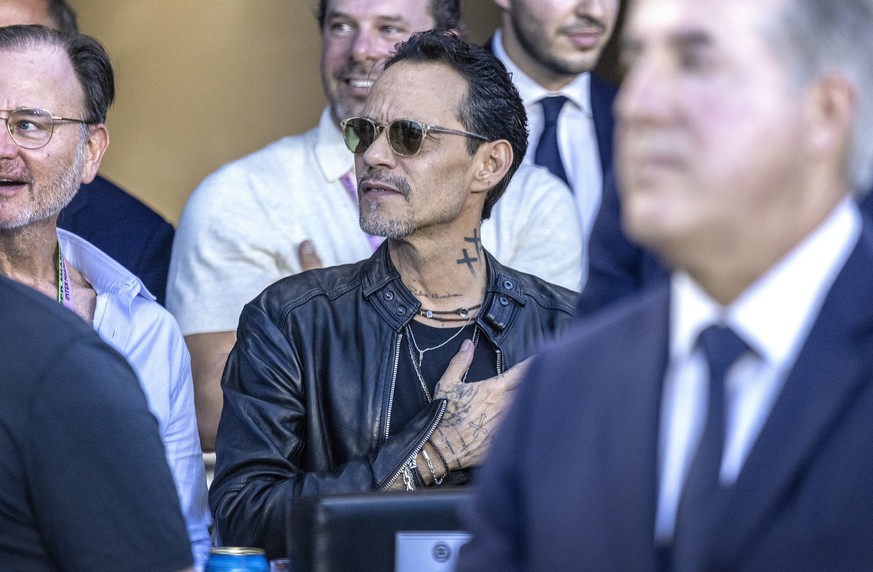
x=128, y=318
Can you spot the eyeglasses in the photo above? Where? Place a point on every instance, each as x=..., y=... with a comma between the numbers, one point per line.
x=406, y=136
x=33, y=128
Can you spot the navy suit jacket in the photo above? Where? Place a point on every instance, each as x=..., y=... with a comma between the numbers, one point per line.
x=602, y=97
x=570, y=483
x=617, y=266
x=125, y=229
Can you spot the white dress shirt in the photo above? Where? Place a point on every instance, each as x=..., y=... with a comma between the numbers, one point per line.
x=773, y=316
x=577, y=138
x=127, y=317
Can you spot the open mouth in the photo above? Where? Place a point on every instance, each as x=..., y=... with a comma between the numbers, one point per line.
x=6, y=182
x=11, y=186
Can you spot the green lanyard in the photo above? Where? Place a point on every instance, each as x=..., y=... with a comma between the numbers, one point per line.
x=65, y=291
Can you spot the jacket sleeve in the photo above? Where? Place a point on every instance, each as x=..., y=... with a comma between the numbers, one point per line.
x=262, y=461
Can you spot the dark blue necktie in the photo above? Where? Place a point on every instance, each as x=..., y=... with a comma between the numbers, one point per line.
x=694, y=517
x=548, y=154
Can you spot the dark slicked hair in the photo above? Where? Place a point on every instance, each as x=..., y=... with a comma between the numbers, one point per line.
x=90, y=62
x=63, y=16
x=491, y=107
x=446, y=14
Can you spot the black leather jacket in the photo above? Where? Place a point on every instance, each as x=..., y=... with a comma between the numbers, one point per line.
x=309, y=387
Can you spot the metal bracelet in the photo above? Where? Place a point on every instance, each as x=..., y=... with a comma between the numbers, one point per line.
x=442, y=459
x=407, y=479
x=411, y=476
x=436, y=481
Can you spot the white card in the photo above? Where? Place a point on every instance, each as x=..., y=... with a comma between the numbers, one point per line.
x=428, y=551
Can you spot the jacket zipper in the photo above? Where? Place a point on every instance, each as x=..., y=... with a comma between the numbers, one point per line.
x=418, y=447
x=393, y=384
x=499, y=361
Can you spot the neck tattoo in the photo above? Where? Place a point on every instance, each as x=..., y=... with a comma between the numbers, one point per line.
x=468, y=257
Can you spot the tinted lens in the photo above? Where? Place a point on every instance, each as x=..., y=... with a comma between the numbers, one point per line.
x=406, y=136
x=31, y=128
x=359, y=134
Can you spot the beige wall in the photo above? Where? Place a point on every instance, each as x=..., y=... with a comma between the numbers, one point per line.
x=202, y=82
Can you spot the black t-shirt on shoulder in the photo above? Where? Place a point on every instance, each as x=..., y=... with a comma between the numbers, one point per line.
x=84, y=483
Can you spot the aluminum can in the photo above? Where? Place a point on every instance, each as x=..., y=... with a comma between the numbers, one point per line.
x=236, y=559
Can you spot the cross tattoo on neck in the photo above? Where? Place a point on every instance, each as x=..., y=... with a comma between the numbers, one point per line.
x=467, y=259
x=476, y=241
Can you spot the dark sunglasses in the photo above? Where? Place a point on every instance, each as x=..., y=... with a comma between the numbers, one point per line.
x=406, y=136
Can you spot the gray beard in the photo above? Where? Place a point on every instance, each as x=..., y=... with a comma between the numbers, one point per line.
x=57, y=194
x=371, y=223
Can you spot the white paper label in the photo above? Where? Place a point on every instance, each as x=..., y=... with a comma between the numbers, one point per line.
x=428, y=551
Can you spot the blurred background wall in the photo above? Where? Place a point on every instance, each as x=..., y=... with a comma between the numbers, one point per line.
x=203, y=82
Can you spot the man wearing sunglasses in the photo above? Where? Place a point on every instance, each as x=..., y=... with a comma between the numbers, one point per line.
x=392, y=373
x=245, y=226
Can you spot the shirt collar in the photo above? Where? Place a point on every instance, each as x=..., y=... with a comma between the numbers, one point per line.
x=775, y=314
x=100, y=270
x=577, y=91
x=333, y=158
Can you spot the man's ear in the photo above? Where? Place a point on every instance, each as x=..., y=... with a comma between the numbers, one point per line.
x=95, y=147
x=832, y=106
x=494, y=159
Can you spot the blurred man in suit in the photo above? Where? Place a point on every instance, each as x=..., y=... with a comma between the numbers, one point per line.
x=722, y=421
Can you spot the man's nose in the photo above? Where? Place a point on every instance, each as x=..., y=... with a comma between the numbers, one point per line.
x=8, y=146
x=366, y=48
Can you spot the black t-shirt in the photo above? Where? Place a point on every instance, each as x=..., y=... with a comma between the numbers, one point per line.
x=409, y=397
x=84, y=484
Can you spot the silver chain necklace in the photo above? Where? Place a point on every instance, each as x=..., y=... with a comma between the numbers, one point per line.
x=421, y=352
x=416, y=365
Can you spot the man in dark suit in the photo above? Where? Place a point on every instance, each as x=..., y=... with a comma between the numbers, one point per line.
x=550, y=48
x=723, y=420
x=102, y=213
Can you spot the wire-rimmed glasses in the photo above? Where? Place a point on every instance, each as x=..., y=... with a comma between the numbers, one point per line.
x=32, y=128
